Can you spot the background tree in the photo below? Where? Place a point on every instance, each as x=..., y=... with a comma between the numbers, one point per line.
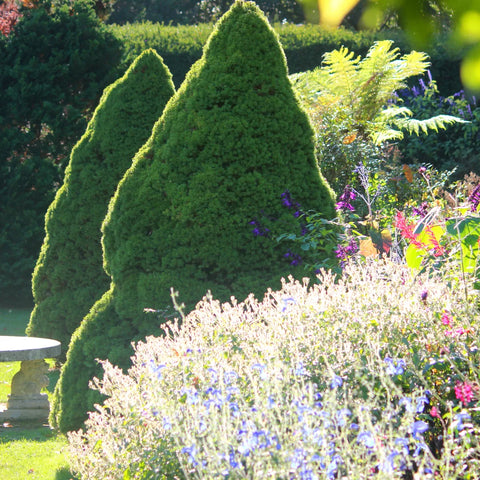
x=69, y=276
x=194, y=11
x=232, y=153
x=53, y=66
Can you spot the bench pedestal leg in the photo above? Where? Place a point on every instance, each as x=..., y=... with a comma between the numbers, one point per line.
x=26, y=402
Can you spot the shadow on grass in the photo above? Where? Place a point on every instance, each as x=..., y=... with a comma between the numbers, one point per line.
x=64, y=474
x=11, y=432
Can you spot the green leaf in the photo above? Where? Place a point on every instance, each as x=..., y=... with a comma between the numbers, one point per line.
x=414, y=256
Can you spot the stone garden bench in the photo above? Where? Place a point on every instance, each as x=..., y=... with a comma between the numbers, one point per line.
x=25, y=401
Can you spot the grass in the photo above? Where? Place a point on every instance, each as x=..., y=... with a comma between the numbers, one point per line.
x=28, y=451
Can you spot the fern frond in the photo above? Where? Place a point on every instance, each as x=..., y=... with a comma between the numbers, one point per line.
x=413, y=125
x=339, y=71
x=386, y=135
x=394, y=112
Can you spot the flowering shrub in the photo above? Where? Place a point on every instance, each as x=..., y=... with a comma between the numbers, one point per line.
x=440, y=231
x=9, y=15
x=372, y=376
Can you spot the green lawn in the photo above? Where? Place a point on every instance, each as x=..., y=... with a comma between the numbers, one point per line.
x=29, y=452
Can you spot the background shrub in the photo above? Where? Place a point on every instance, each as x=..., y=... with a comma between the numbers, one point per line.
x=456, y=148
x=304, y=47
x=69, y=276
x=191, y=213
x=53, y=67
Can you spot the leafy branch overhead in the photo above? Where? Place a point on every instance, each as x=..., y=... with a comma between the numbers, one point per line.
x=362, y=91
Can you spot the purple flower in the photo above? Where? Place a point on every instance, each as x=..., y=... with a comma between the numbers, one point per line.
x=424, y=296
x=345, y=198
x=430, y=79
x=422, y=210
x=474, y=198
x=344, y=253
x=295, y=259
x=259, y=230
x=289, y=202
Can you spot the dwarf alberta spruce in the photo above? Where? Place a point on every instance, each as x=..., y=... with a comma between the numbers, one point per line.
x=354, y=378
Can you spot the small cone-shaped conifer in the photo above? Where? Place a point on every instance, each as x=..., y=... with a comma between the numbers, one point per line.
x=69, y=276
x=192, y=211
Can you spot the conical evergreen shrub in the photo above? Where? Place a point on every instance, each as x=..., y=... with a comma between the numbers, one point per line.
x=69, y=276
x=232, y=153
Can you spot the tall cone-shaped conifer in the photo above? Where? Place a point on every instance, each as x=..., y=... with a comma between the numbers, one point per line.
x=69, y=276
x=191, y=212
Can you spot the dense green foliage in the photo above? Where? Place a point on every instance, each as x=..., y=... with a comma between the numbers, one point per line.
x=53, y=67
x=191, y=212
x=304, y=47
x=69, y=276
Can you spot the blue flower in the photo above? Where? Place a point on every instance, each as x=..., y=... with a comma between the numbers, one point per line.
x=388, y=465
x=300, y=369
x=407, y=403
x=190, y=394
x=286, y=302
x=366, y=438
x=213, y=375
x=336, y=382
x=403, y=444
x=231, y=391
x=215, y=398
x=230, y=377
x=166, y=423
x=232, y=461
x=342, y=416
x=459, y=418
x=418, y=428
x=156, y=369
x=333, y=466
x=421, y=403
x=394, y=367
x=261, y=369
x=191, y=452
x=234, y=409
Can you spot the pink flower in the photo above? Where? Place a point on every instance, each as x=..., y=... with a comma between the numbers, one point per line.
x=446, y=319
x=464, y=392
x=434, y=412
x=455, y=333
